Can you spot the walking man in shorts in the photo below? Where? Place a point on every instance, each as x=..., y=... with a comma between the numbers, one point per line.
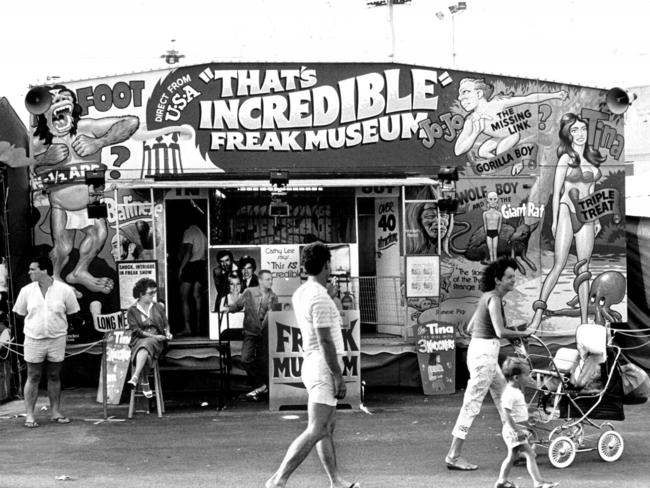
x=45, y=304
x=322, y=343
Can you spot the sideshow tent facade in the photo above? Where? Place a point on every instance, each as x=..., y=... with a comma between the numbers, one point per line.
x=415, y=176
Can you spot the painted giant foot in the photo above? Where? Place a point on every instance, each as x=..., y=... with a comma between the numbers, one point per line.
x=84, y=278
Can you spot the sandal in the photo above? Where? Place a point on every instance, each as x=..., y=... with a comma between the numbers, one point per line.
x=60, y=420
x=31, y=424
x=505, y=484
x=459, y=464
x=133, y=382
x=547, y=484
x=146, y=390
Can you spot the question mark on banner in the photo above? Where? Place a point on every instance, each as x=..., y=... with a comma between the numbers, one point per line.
x=544, y=111
x=122, y=153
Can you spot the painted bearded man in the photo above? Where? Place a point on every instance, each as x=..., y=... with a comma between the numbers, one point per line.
x=65, y=146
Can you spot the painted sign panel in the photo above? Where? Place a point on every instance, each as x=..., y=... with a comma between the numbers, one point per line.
x=130, y=273
x=422, y=276
x=285, y=360
x=118, y=355
x=436, y=350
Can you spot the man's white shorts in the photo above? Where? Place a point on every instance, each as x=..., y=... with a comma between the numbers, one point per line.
x=38, y=350
x=318, y=379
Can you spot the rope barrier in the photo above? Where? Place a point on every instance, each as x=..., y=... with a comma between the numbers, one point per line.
x=67, y=354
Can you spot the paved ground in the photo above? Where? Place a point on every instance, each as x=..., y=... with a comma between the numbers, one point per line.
x=401, y=445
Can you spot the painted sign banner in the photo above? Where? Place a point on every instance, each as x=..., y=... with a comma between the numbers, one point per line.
x=118, y=355
x=285, y=360
x=129, y=273
x=344, y=118
x=422, y=276
x=436, y=351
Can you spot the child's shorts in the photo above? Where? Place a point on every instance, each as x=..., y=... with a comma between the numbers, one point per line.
x=512, y=438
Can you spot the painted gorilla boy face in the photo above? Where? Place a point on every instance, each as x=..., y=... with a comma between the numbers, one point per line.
x=59, y=115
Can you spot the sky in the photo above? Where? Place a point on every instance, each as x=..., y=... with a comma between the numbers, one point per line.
x=599, y=43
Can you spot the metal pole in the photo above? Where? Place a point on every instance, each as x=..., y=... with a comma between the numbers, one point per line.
x=392, y=29
x=105, y=375
x=453, y=42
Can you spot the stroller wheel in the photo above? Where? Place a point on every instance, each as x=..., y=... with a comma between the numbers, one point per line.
x=610, y=446
x=561, y=451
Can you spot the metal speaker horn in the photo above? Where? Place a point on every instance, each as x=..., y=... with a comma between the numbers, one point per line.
x=617, y=100
x=38, y=100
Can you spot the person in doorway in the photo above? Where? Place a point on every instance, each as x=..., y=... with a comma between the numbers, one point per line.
x=149, y=333
x=45, y=303
x=487, y=326
x=192, y=275
x=256, y=302
x=320, y=325
x=247, y=266
x=220, y=275
x=517, y=373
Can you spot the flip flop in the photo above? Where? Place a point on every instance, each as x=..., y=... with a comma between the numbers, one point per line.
x=459, y=464
x=60, y=420
x=505, y=484
x=31, y=425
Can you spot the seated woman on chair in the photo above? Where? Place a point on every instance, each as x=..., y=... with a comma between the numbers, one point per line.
x=149, y=332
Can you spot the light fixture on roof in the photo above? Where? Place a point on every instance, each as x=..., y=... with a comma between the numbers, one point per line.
x=172, y=56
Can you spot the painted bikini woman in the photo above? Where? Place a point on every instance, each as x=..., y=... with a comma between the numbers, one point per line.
x=575, y=177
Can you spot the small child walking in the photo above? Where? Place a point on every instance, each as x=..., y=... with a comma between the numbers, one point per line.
x=517, y=374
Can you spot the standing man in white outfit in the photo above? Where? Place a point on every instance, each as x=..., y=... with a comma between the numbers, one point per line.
x=45, y=303
x=322, y=343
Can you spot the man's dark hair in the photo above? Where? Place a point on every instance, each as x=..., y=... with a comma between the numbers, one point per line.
x=44, y=263
x=247, y=260
x=142, y=285
x=314, y=257
x=225, y=252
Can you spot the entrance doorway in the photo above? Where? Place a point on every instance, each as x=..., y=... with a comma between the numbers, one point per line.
x=181, y=214
x=367, y=264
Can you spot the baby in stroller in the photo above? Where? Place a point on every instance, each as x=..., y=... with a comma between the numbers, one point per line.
x=574, y=371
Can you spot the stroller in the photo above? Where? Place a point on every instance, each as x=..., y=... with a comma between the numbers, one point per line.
x=575, y=389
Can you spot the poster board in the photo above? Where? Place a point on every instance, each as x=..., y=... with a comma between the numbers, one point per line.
x=118, y=355
x=285, y=361
x=284, y=264
x=436, y=350
x=422, y=276
x=129, y=272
